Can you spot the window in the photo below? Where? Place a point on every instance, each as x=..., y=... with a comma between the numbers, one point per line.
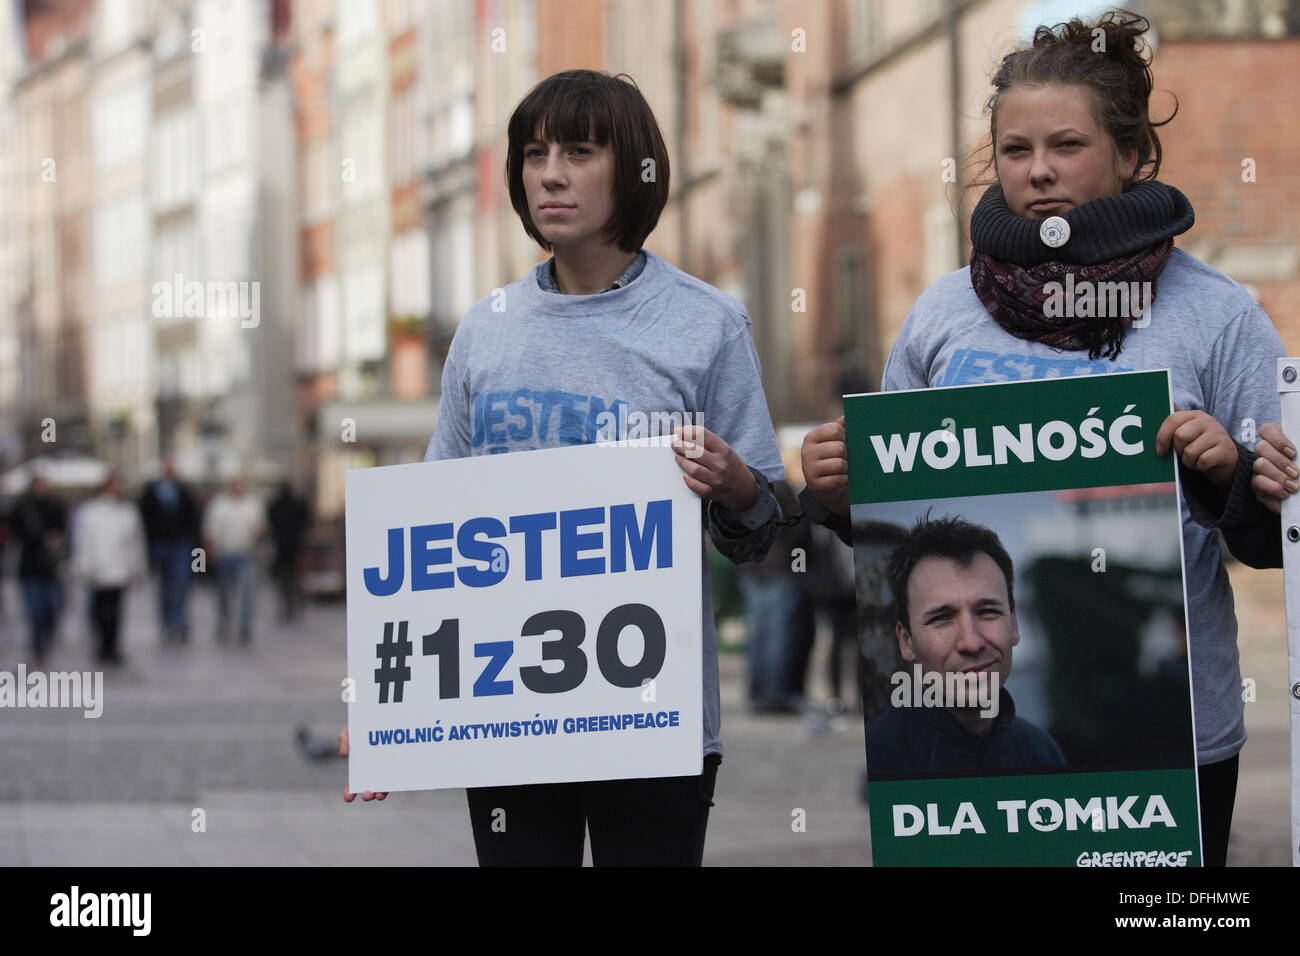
x=358, y=22
x=363, y=305
x=409, y=277
x=176, y=155
x=176, y=253
x=863, y=28
x=402, y=131
x=318, y=328
x=940, y=230
x=321, y=185
x=120, y=124
x=460, y=126
x=123, y=354
x=850, y=301
x=227, y=131
x=114, y=24
x=362, y=142
x=121, y=238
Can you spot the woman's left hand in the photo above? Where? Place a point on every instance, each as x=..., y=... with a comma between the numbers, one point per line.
x=1201, y=442
x=713, y=469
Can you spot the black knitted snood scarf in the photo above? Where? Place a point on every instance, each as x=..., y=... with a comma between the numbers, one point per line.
x=1123, y=238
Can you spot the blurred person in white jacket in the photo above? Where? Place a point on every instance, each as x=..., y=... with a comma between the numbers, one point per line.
x=232, y=524
x=108, y=555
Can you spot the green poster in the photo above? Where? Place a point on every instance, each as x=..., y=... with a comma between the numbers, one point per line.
x=1028, y=524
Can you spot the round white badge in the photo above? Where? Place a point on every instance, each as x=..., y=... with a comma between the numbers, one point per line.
x=1055, y=232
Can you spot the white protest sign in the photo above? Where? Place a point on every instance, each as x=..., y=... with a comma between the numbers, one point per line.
x=525, y=618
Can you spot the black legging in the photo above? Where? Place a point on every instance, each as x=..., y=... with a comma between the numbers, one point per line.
x=105, y=613
x=1217, y=783
x=655, y=821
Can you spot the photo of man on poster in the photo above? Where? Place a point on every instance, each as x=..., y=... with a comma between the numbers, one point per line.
x=954, y=589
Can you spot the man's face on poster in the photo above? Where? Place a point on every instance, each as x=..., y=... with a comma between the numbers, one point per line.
x=960, y=618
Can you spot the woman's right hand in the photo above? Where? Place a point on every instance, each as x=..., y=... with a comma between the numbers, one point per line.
x=824, y=457
x=348, y=795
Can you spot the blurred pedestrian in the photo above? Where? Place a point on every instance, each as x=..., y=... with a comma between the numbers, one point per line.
x=231, y=527
x=108, y=555
x=287, y=517
x=830, y=589
x=775, y=615
x=171, y=523
x=6, y=533
x=40, y=525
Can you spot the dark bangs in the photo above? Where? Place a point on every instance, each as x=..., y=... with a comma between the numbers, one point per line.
x=566, y=108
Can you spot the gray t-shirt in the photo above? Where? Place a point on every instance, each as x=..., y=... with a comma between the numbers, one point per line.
x=1221, y=351
x=538, y=371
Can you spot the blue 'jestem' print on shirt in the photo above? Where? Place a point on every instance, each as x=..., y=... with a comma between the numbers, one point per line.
x=973, y=367
x=526, y=418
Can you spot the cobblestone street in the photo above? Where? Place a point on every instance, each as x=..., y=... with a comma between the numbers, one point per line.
x=212, y=726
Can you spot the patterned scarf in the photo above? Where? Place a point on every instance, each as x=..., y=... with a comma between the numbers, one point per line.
x=1114, y=239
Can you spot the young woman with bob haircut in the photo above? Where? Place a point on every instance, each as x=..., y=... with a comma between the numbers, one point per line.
x=605, y=324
